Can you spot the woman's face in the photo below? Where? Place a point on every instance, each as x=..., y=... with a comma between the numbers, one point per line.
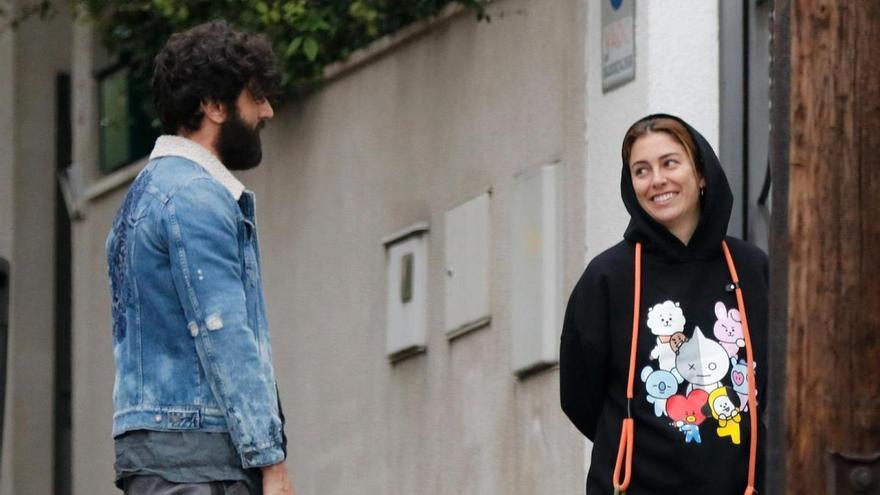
x=666, y=182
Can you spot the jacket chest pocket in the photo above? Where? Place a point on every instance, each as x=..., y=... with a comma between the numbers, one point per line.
x=249, y=253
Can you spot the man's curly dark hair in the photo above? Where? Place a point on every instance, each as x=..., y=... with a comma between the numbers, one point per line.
x=210, y=61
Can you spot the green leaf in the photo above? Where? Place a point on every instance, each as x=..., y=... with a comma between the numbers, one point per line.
x=293, y=46
x=310, y=48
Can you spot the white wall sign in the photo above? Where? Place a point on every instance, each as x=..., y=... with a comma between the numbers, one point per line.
x=618, y=43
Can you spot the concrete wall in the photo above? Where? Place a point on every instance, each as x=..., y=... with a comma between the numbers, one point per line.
x=403, y=140
x=461, y=109
x=7, y=158
x=39, y=52
x=7, y=136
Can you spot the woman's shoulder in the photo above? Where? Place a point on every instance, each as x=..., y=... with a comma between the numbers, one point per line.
x=745, y=251
x=749, y=259
x=611, y=261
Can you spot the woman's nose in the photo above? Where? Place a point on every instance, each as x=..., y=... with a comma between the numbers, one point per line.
x=659, y=179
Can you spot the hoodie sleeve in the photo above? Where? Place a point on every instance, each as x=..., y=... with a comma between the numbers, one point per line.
x=584, y=352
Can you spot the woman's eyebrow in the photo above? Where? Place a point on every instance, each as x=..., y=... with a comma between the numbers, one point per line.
x=670, y=155
x=674, y=154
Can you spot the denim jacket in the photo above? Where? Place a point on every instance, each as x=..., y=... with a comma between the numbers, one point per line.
x=190, y=337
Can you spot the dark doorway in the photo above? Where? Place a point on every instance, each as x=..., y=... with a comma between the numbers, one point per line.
x=63, y=386
x=745, y=115
x=4, y=332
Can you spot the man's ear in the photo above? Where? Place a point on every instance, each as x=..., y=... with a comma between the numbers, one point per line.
x=214, y=110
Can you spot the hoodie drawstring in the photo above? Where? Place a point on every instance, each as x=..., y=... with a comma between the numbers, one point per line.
x=625, y=449
x=750, y=372
x=626, y=434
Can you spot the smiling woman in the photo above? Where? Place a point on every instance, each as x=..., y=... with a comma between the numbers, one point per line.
x=665, y=178
x=679, y=202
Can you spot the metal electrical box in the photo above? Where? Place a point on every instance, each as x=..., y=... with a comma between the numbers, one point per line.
x=467, y=266
x=406, y=258
x=536, y=310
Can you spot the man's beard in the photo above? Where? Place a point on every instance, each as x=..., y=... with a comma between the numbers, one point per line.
x=238, y=144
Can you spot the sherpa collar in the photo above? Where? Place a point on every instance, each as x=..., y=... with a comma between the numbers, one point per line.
x=169, y=145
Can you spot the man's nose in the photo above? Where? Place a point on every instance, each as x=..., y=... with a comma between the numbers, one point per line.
x=266, y=111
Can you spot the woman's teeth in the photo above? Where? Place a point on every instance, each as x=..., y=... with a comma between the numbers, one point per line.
x=662, y=198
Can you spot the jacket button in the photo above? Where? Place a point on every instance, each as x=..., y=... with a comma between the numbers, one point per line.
x=158, y=418
x=193, y=329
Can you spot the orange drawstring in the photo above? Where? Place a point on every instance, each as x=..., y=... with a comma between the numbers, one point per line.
x=750, y=372
x=625, y=449
x=627, y=431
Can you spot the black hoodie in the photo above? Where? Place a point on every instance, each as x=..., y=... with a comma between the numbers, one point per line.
x=683, y=445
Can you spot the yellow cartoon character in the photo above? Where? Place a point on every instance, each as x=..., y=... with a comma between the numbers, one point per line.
x=726, y=413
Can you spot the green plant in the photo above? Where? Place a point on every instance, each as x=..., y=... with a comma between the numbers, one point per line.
x=307, y=34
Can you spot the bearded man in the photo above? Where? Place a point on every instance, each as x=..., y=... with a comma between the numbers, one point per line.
x=196, y=408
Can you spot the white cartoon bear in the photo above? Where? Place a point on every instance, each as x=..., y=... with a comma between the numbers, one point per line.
x=665, y=319
x=702, y=362
x=660, y=385
x=728, y=329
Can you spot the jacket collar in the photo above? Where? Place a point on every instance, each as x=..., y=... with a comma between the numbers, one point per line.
x=169, y=145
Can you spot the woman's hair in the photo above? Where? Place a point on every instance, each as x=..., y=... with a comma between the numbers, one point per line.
x=662, y=124
x=209, y=61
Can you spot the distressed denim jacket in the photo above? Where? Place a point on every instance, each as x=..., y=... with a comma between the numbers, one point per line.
x=190, y=337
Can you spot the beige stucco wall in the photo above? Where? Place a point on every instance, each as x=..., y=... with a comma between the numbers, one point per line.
x=7, y=136
x=92, y=355
x=461, y=109
x=39, y=52
x=403, y=140
x=7, y=158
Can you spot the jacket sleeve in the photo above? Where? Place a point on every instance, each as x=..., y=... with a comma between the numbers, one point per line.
x=584, y=352
x=202, y=230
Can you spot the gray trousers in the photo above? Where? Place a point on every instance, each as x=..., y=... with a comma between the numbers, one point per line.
x=155, y=485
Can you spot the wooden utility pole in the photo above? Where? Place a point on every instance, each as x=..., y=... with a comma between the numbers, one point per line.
x=825, y=248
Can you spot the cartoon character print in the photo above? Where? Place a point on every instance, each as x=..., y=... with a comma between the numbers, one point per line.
x=716, y=379
x=676, y=340
x=687, y=415
x=722, y=408
x=702, y=362
x=660, y=385
x=740, y=378
x=728, y=329
x=666, y=320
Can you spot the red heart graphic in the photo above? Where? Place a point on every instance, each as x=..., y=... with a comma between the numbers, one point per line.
x=738, y=377
x=679, y=407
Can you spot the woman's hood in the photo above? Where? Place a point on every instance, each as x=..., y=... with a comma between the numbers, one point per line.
x=715, y=207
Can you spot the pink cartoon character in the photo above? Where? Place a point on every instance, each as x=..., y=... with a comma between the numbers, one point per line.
x=728, y=329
